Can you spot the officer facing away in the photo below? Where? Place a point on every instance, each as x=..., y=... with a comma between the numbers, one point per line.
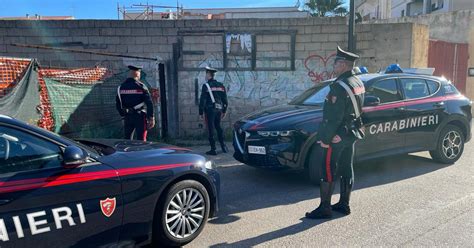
x=213, y=103
x=134, y=104
x=341, y=127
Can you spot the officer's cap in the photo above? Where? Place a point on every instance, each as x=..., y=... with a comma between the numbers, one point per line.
x=135, y=68
x=344, y=55
x=210, y=69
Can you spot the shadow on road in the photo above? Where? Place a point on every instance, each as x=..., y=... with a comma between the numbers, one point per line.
x=245, y=189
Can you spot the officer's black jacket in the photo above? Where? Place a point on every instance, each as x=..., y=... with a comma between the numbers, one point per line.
x=338, y=109
x=220, y=96
x=132, y=93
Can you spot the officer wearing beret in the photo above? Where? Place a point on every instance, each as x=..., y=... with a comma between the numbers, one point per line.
x=213, y=104
x=133, y=102
x=337, y=134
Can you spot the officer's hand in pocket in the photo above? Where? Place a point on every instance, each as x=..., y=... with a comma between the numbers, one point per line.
x=151, y=122
x=323, y=145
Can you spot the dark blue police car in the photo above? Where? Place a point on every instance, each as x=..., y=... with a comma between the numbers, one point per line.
x=56, y=192
x=403, y=113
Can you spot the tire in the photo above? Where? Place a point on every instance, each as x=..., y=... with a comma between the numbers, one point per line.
x=314, y=170
x=171, y=233
x=450, y=145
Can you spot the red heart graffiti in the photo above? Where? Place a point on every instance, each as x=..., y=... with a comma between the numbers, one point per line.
x=324, y=73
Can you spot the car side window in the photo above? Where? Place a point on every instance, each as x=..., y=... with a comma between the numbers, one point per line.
x=433, y=86
x=415, y=88
x=21, y=151
x=386, y=90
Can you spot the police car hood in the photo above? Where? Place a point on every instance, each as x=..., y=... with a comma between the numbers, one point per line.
x=110, y=146
x=280, y=117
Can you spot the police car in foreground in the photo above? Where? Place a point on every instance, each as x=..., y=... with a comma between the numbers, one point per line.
x=55, y=192
x=403, y=113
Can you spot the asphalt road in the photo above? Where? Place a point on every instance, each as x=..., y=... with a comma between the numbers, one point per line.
x=403, y=201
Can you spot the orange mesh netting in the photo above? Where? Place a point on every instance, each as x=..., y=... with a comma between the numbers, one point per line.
x=11, y=71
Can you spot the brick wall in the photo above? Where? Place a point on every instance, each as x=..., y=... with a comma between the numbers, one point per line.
x=287, y=55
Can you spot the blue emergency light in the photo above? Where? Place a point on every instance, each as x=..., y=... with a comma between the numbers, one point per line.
x=393, y=68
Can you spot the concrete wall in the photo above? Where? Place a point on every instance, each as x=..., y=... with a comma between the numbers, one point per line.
x=450, y=27
x=315, y=43
x=456, y=27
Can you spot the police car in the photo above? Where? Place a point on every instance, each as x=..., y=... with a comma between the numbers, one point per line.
x=403, y=113
x=55, y=192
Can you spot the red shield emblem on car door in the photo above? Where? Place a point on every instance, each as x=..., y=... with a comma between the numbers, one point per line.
x=108, y=206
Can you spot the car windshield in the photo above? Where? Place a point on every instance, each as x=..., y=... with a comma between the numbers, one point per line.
x=314, y=96
x=92, y=152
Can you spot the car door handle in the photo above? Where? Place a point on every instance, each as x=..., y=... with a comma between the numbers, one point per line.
x=400, y=108
x=4, y=201
x=438, y=104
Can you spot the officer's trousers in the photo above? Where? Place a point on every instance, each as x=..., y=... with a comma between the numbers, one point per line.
x=213, y=121
x=338, y=159
x=135, y=122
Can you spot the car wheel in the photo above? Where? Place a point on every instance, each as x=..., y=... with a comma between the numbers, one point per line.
x=450, y=145
x=314, y=169
x=184, y=213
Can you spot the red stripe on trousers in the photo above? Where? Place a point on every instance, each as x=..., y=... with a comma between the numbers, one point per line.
x=144, y=128
x=328, y=164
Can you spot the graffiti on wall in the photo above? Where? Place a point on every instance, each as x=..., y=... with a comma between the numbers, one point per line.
x=260, y=88
x=320, y=68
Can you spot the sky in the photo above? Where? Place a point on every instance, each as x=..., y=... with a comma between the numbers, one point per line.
x=107, y=9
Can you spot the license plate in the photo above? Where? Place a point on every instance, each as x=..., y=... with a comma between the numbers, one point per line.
x=257, y=150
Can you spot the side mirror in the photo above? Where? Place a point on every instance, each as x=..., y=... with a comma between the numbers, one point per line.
x=371, y=101
x=73, y=156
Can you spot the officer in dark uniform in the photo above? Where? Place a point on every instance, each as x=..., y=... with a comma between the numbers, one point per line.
x=134, y=104
x=213, y=104
x=341, y=127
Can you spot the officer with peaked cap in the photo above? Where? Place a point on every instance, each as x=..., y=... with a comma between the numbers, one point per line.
x=340, y=129
x=213, y=104
x=134, y=104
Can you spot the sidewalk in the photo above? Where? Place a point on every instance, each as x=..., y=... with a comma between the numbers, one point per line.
x=222, y=159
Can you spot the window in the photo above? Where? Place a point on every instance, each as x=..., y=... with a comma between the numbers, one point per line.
x=415, y=88
x=403, y=13
x=433, y=86
x=386, y=90
x=20, y=151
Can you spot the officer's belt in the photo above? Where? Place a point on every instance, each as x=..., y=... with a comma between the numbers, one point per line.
x=136, y=109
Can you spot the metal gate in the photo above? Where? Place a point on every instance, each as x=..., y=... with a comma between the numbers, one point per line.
x=449, y=60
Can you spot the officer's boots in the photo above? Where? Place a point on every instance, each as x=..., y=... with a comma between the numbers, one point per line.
x=224, y=148
x=213, y=148
x=343, y=205
x=324, y=209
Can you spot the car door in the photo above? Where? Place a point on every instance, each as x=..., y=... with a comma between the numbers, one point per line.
x=383, y=136
x=425, y=111
x=43, y=203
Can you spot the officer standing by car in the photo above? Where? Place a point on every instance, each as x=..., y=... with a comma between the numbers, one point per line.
x=213, y=104
x=134, y=104
x=341, y=127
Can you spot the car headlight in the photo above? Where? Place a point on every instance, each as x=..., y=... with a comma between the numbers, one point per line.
x=275, y=133
x=209, y=165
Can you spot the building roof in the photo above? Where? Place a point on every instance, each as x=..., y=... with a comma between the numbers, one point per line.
x=38, y=17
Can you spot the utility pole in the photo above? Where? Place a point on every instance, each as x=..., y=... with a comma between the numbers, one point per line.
x=351, y=39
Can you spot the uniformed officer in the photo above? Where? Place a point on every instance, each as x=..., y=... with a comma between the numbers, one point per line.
x=341, y=127
x=213, y=104
x=134, y=104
